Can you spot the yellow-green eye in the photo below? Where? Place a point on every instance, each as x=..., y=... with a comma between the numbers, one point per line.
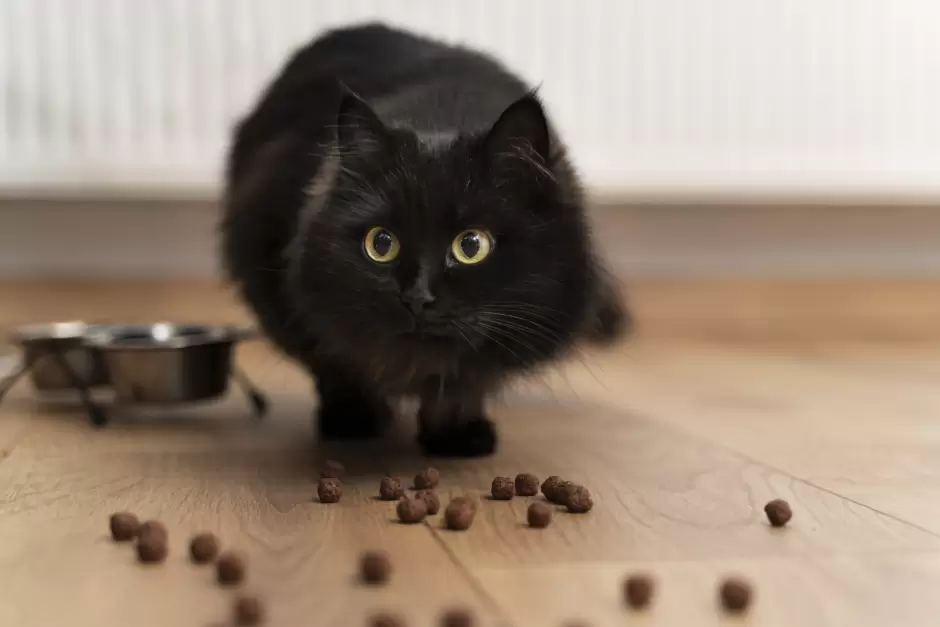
x=472, y=246
x=381, y=245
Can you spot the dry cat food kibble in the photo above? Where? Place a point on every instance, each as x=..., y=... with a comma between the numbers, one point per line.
x=411, y=510
x=778, y=512
x=735, y=594
x=554, y=489
x=457, y=617
x=503, y=489
x=638, y=591
x=390, y=489
x=539, y=514
x=124, y=526
x=151, y=548
x=230, y=569
x=578, y=499
x=527, y=484
x=329, y=490
x=431, y=499
x=386, y=620
x=248, y=610
x=203, y=548
x=332, y=469
x=375, y=567
x=460, y=513
x=427, y=479
x=152, y=528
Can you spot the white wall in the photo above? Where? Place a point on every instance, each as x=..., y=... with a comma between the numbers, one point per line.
x=728, y=96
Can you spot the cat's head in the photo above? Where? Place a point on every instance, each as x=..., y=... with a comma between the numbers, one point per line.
x=476, y=246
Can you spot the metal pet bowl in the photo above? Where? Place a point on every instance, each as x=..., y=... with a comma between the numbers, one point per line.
x=161, y=363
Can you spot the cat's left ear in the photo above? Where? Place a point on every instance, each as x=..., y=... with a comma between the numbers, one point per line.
x=520, y=132
x=358, y=129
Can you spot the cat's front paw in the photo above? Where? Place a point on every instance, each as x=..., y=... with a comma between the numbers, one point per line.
x=353, y=419
x=474, y=438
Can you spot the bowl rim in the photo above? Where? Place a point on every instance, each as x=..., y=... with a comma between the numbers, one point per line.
x=46, y=332
x=107, y=337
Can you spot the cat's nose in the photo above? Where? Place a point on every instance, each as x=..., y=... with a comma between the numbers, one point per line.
x=418, y=299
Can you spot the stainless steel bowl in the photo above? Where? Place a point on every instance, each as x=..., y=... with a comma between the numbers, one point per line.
x=167, y=362
x=44, y=344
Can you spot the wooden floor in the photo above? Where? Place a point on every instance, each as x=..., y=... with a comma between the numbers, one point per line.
x=681, y=442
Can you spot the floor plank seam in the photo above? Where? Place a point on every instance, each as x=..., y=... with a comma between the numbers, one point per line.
x=471, y=579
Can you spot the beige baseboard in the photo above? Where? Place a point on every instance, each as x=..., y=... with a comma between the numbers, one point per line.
x=787, y=310
x=119, y=238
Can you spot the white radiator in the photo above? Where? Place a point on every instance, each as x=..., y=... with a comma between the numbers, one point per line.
x=836, y=96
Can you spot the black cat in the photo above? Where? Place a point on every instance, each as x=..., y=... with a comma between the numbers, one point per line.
x=402, y=219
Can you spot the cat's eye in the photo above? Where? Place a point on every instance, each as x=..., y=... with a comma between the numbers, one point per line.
x=472, y=246
x=381, y=245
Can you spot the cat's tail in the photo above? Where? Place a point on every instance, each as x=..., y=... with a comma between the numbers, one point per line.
x=609, y=319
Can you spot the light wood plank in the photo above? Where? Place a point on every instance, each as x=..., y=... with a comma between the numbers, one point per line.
x=302, y=554
x=658, y=495
x=864, y=425
x=869, y=591
x=681, y=441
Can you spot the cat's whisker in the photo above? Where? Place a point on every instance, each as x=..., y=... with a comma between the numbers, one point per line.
x=460, y=329
x=524, y=323
x=520, y=343
x=494, y=339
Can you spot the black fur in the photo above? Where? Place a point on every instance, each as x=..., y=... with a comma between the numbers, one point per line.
x=370, y=126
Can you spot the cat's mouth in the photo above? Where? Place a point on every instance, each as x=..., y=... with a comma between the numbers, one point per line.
x=432, y=331
x=426, y=329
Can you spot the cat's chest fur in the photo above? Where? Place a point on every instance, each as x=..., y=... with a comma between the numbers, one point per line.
x=407, y=368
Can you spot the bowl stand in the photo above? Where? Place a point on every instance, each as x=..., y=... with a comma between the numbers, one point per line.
x=96, y=413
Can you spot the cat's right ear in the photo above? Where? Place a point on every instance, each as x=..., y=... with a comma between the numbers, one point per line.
x=359, y=130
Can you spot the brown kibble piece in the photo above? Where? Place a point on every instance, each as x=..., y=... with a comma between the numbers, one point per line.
x=502, y=489
x=554, y=489
x=778, y=512
x=735, y=594
x=457, y=617
x=459, y=514
x=386, y=620
x=124, y=526
x=638, y=591
x=411, y=510
x=203, y=548
x=230, y=569
x=427, y=479
x=431, y=499
x=329, y=490
x=390, y=489
x=332, y=469
x=153, y=528
x=466, y=500
x=248, y=610
x=375, y=567
x=151, y=548
x=527, y=484
x=578, y=499
x=539, y=515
